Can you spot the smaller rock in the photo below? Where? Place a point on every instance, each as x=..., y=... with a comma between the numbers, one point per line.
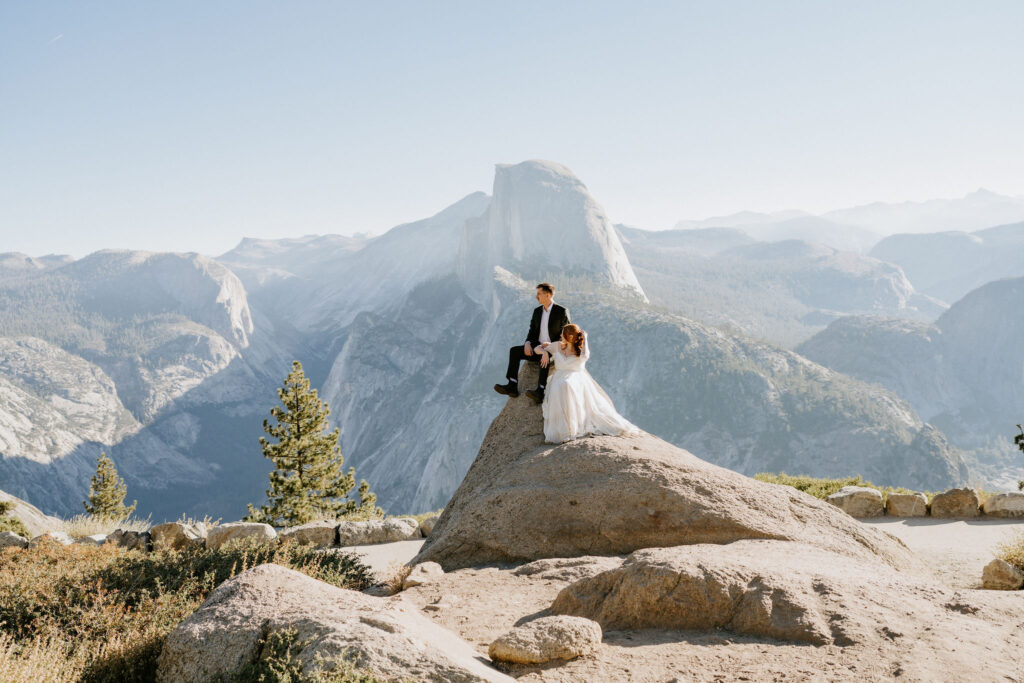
x=177, y=536
x=219, y=535
x=546, y=639
x=568, y=568
x=9, y=539
x=131, y=540
x=94, y=539
x=378, y=531
x=906, y=505
x=1001, y=576
x=53, y=536
x=425, y=572
x=858, y=501
x=322, y=534
x=956, y=503
x=427, y=525
x=1004, y=504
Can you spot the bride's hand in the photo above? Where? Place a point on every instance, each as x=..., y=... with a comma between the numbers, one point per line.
x=544, y=360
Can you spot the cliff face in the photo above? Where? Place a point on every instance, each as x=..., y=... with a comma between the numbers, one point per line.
x=964, y=373
x=542, y=220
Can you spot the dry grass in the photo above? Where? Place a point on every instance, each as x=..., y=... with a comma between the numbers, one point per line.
x=1012, y=551
x=81, y=526
x=397, y=574
x=101, y=613
x=420, y=517
x=820, y=487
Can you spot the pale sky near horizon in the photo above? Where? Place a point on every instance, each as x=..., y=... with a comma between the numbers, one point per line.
x=186, y=126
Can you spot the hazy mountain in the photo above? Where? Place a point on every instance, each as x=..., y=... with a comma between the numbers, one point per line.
x=947, y=265
x=170, y=363
x=973, y=211
x=740, y=218
x=963, y=373
x=781, y=291
x=16, y=263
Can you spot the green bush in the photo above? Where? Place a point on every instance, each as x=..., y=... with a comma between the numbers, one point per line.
x=8, y=523
x=824, y=487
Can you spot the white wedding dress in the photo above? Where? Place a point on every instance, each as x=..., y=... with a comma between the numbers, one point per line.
x=574, y=404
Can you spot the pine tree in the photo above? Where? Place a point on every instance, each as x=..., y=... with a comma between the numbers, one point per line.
x=308, y=482
x=107, y=492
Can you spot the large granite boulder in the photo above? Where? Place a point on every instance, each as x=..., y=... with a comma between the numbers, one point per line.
x=232, y=531
x=794, y=592
x=858, y=501
x=956, y=503
x=906, y=505
x=385, y=636
x=131, y=540
x=177, y=535
x=322, y=534
x=523, y=500
x=1004, y=504
x=378, y=531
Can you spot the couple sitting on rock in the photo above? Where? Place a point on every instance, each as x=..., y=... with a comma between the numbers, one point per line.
x=574, y=405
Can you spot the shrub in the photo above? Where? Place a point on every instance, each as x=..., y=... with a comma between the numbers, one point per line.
x=1012, y=551
x=824, y=487
x=105, y=611
x=80, y=526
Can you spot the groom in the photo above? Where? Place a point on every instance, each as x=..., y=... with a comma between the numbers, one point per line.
x=546, y=326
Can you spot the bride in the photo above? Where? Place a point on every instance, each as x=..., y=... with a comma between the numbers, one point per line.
x=575, y=405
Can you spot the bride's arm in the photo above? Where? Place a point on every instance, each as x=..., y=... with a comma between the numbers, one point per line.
x=585, y=351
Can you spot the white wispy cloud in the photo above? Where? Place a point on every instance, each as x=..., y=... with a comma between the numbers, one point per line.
x=55, y=39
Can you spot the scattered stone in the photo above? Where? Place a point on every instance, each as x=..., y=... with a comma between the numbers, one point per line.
x=131, y=540
x=385, y=636
x=427, y=525
x=858, y=501
x=378, y=531
x=176, y=536
x=547, y=638
x=219, y=535
x=906, y=505
x=322, y=534
x=54, y=536
x=1001, y=576
x=443, y=602
x=956, y=503
x=1004, y=504
x=10, y=539
x=426, y=572
x=94, y=539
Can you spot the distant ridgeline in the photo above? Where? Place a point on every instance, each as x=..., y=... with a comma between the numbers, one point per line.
x=170, y=362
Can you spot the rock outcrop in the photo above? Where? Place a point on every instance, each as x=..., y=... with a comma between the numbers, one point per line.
x=378, y=531
x=906, y=505
x=1001, y=575
x=956, y=503
x=387, y=637
x=1004, y=504
x=523, y=500
x=858, y=501
x=792, y=592
x=32, y=517
x=177, y=535
x=221, y=534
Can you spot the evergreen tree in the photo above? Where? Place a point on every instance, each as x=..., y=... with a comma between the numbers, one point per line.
x=107, y=492
x=308, y=482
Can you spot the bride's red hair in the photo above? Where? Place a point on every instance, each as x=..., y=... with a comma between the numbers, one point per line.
x=573, y=335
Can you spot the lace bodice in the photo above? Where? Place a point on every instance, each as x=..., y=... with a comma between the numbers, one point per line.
x=566, y=360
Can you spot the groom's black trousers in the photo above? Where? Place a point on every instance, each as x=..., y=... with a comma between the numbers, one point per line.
x=517, y=354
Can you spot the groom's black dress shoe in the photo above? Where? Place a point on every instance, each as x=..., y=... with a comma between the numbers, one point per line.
x=509, y=389
x=536, y=394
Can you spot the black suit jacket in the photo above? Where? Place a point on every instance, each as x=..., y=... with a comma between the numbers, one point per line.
x=557, y=319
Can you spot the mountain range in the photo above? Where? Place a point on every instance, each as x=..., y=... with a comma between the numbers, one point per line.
x=170, y=362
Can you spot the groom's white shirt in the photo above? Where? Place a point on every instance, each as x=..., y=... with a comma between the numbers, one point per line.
x=545, y=335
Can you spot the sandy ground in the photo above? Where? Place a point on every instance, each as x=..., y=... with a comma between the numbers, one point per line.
x=956, y=550
x=480, y=604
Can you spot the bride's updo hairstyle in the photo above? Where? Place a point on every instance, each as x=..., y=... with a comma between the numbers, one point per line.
x=574, y=336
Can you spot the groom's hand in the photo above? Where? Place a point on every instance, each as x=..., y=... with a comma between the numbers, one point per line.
x=527, y=349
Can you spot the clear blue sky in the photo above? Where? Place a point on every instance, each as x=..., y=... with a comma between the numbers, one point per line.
x=187, y=125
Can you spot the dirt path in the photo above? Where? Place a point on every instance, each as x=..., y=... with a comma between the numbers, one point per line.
x=956, y=550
